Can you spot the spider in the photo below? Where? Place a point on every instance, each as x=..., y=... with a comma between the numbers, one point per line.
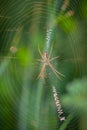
x=46, y=60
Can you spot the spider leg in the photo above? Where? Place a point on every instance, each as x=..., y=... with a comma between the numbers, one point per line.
x=54, y=58
x=40, y=51
x=59, y=73
x=55, y=71
x=41, y=75
x=40, y=60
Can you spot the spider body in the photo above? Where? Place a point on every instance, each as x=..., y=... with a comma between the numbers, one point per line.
x=46, y=60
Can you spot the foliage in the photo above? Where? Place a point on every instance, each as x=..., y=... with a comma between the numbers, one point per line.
x=25, y=101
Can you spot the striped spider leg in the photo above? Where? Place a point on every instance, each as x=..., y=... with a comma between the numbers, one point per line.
x=46, y=60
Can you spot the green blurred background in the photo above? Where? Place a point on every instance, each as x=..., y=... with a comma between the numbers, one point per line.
x=27, y=103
